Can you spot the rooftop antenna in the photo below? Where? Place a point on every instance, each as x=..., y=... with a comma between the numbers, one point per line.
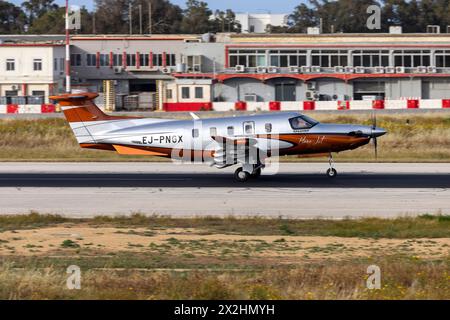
x=130, y=17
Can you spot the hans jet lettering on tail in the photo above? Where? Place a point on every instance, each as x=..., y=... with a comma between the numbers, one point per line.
x=247, y=141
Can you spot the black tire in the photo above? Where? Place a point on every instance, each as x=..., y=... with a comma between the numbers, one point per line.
x=331, y=173
x=256, y=173
x=241, y=176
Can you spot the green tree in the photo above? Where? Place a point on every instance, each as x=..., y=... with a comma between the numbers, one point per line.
x=112, y=16
x=302, y=18
x=51, y=22
x=12, y=18
x=37, y=8
x=196, y=18
x=225, y=21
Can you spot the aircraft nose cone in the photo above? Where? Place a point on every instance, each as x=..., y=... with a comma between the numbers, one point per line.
x=378, y=132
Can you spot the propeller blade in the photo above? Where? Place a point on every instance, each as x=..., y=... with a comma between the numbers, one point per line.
x=374, y=120
x=375, y=145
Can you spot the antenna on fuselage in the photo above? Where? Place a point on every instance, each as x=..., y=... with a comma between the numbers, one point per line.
x=194, y=116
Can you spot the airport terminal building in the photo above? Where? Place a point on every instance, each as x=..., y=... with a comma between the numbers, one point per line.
x=156, y=71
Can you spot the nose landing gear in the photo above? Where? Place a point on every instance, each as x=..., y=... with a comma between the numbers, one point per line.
x=331, y=173
x=246, y=172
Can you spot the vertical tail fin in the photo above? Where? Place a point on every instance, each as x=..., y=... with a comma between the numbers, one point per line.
x=82, y=113
x=81, y=108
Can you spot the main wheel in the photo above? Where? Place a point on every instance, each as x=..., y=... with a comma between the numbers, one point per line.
x=256, y=173
x=331, y=173
x=241, y=176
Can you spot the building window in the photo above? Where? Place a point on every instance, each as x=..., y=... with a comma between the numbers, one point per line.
x=370, y=58
x=230, y=131
x=185, y=94
x=329, y=58
x=143, y=60
x=198, y=92
x=412, y=58
x=62, y=64
x=443, y=58
x=195, y=133
x=213, y=131
x=170, y=60
x=169, y=94
x=131, y=60
x=268, y=127
x=157, y=60
x=55, y=64
x=117, y=60
x=91, y=60
x=10, y=65
x=37, y=64
x=75, y=59
x=247, y=58
x=287, y=58
x=104, y=60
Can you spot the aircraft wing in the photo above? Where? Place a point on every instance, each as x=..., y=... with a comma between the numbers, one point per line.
x=236, y=150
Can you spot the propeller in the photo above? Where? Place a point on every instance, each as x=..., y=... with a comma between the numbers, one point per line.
x=374, y=137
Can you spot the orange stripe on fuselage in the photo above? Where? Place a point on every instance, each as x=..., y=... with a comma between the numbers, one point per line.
x=303, y=144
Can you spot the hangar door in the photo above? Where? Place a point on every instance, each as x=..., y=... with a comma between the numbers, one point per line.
x=285, y=91
x=365, y=89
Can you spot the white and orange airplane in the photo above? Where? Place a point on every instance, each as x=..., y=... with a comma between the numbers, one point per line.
x=241, y=140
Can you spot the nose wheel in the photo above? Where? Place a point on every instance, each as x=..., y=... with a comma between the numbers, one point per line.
x=331, y=173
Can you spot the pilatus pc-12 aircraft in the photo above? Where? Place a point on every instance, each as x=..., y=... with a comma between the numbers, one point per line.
x=246, y=140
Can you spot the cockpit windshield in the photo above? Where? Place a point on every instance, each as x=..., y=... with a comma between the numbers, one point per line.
x=302, y=122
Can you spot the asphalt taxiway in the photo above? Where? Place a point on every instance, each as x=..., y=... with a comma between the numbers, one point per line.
x=298, y=190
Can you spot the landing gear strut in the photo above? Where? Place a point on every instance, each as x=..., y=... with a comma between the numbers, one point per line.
x=331, y=173
x=256, y=173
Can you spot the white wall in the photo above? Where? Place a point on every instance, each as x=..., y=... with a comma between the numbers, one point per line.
x=260, y=21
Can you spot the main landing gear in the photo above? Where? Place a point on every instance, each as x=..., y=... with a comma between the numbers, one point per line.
x=331, y=173
x=243, y=174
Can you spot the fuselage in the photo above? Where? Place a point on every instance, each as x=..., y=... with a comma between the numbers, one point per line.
x=287, y=133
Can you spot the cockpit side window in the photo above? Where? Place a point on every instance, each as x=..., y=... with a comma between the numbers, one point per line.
x=302, y=122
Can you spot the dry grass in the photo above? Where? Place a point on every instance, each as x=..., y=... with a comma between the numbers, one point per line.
x=141, y=257
x=401, y=279
x=413, y=137
x=424, y=226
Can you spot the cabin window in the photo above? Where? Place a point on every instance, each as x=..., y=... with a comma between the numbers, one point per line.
x=185, y=94
x=230, y=131
x=302, y=122
x=198, y=92
x=213, y=132
x=249, y=128
x=268, y=127
x=195, y=133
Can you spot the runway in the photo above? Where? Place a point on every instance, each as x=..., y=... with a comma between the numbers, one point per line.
x=298, y=190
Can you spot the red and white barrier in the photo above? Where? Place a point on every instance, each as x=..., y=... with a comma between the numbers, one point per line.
x=413, y=103
x=27, y=108
x=334, y=105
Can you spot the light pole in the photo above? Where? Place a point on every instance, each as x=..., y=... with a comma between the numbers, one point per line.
x=68, y=87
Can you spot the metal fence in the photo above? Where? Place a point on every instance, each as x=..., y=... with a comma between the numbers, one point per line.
x=21, y=100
